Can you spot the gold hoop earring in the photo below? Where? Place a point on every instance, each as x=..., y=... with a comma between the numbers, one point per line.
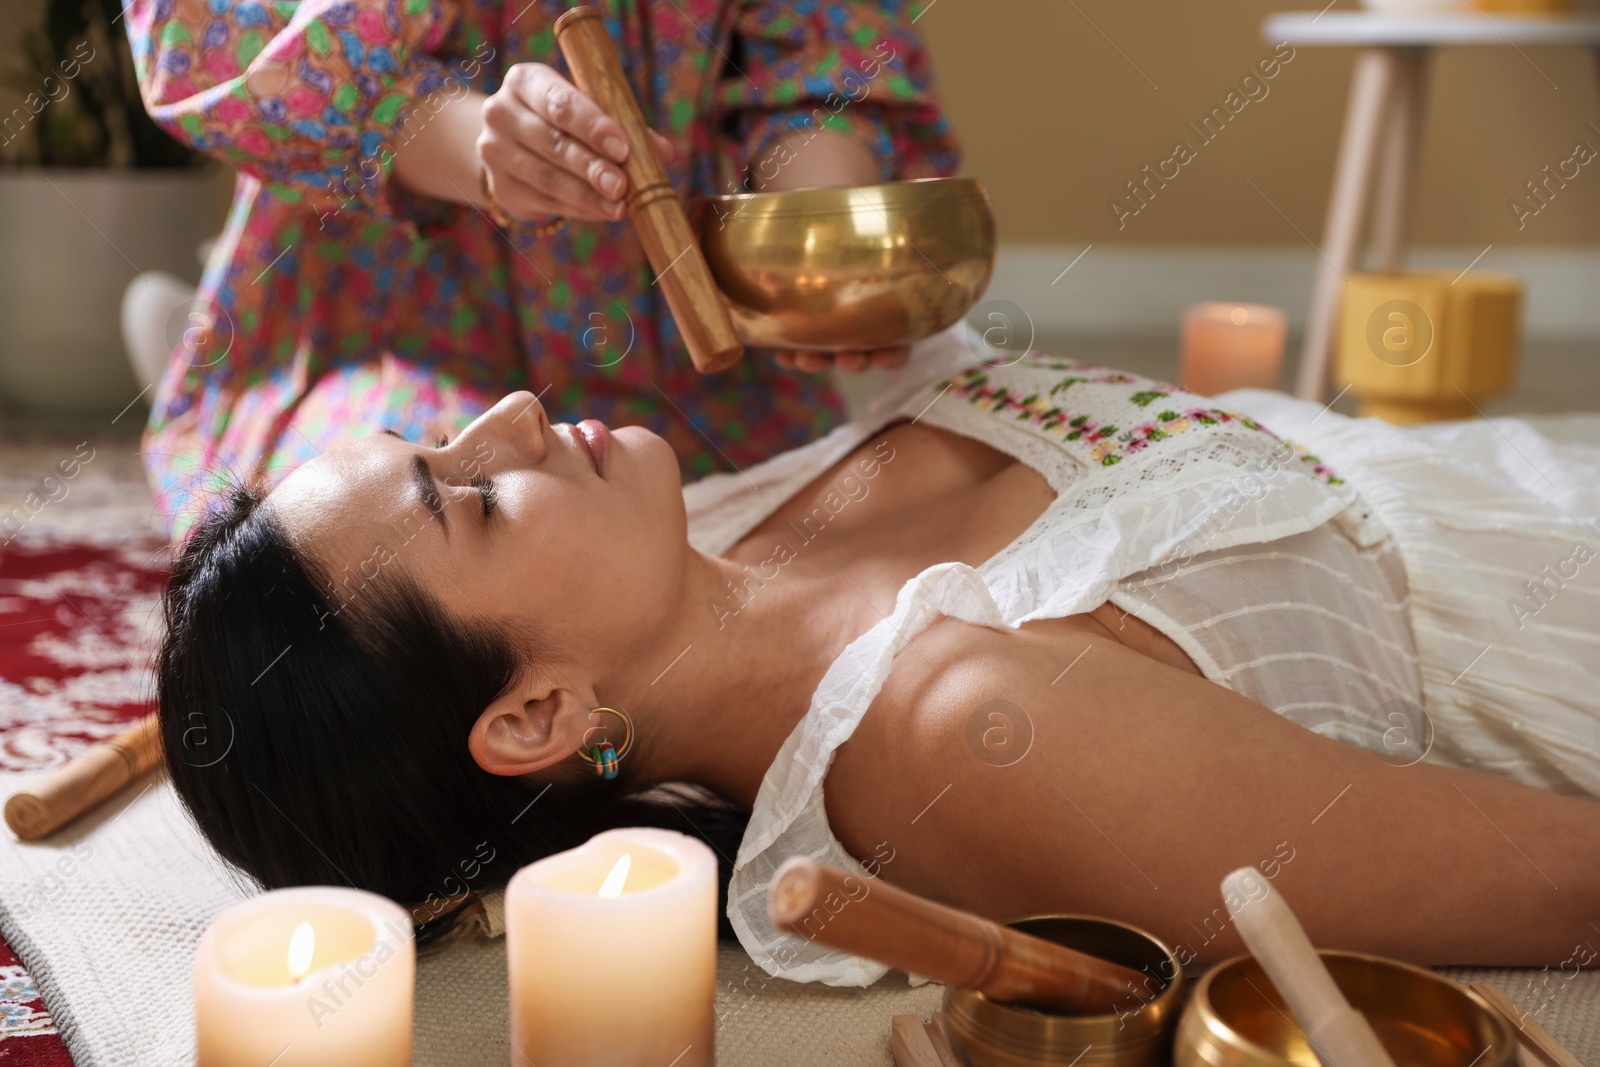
x=603, y=755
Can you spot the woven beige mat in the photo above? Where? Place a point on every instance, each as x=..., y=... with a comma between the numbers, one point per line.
x=110, y=945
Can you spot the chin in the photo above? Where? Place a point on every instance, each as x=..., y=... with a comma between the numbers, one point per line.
x=649, y=455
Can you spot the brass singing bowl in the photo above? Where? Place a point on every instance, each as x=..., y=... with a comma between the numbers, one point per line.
x=1237, y=1019
x=988, y=1033
x=854, y=267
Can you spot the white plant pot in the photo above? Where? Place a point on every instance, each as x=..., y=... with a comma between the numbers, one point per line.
x=70, y=242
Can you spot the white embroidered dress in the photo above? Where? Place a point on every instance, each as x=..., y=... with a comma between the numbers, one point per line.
x=1169, y=505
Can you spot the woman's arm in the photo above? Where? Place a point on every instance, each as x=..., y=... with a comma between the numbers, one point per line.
x=798, y=161
x=1144, y=786
x=325, y=101
x=312, y=99
x=548, y=150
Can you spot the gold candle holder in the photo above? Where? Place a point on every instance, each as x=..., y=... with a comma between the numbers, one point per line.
x=987, y=1033
x=1424, y=347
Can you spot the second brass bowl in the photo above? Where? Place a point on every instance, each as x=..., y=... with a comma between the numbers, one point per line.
x=987, y=1033
x=854, y=267
x=1236, y=1018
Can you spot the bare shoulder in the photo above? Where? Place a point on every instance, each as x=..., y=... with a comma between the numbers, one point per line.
x=941, y=774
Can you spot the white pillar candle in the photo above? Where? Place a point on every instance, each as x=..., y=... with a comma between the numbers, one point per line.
x=613, y=961
x=318, y=976
x=1232, y=346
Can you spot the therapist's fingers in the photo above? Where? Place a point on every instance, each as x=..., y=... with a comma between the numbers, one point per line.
x=539, y=129
x=553, y=160
x=558, y=102
x=562, y=191
x=519, y=147
x=889, y=358
x=851, y=362
x=809, y=362
x=813, y=361
x=521, y=200
x=569, y=112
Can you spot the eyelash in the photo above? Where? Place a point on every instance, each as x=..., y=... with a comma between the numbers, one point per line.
x=485, y=487
x=486, y=493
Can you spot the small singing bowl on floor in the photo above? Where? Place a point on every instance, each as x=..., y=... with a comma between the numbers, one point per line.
x=1139, y=1034
x=853, y=267
x=1236, y=1018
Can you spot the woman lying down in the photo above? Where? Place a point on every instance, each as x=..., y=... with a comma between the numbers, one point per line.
x=1025, y=639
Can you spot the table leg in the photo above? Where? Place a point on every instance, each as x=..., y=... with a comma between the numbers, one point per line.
x=1397, y=167
x=1369, y=95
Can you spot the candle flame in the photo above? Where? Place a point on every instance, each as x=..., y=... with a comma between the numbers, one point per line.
x=612, y=886
x=301, y=945
x=1239, y=316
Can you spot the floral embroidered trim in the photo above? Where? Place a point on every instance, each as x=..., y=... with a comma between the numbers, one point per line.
x=1108, y=444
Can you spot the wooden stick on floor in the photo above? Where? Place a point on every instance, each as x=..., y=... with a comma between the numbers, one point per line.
x=86, y=782
x=1535, y=1038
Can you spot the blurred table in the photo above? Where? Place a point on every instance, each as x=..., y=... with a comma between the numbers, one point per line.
x=1383, y=132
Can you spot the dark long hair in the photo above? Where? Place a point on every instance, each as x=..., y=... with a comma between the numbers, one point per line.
x=321, y=747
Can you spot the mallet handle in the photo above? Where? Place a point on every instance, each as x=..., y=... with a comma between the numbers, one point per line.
x=658, y=218
x=871, y=918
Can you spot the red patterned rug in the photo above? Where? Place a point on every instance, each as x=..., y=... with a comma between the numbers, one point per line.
x=81, y=567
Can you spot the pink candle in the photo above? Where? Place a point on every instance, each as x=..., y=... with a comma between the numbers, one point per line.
x=1232, y=346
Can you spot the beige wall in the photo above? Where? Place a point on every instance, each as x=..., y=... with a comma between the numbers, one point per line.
x=1055, y=121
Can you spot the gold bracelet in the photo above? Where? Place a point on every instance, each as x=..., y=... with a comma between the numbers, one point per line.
x=495, y=211
x=502, y=218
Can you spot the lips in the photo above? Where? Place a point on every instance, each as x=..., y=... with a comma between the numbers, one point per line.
x=596, y=440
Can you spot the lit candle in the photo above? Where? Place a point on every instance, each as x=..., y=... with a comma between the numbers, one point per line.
x=1232, y=346
x=306, y=977
x=612, y=953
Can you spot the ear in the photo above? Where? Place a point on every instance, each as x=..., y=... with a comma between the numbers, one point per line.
x=536, y=724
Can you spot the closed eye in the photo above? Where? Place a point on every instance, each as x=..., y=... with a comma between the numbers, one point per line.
x=486, y=493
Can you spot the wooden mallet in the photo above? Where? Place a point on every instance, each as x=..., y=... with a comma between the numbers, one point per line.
x=658, y=218
x=869, y=917
x=86, y=782
x=1339, y=1035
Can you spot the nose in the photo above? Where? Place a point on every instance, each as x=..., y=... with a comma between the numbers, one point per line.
x=528, y=415
x=516, y=426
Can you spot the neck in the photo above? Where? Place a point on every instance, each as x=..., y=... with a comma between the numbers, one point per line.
x=715, y=694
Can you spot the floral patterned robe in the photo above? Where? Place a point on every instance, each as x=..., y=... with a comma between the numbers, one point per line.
x=338, y=303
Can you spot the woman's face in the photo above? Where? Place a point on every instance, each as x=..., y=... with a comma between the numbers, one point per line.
x=577, y=530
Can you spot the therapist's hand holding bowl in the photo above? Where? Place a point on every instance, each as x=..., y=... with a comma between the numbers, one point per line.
x=549, y=150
